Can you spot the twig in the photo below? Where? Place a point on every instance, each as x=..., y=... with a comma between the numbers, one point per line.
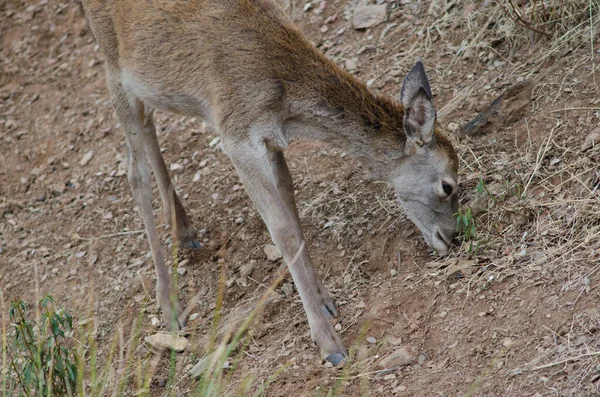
x=539, y=159
x=520, y=21
x=566, y=360
x=565, y=109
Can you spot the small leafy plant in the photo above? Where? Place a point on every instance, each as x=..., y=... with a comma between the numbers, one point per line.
x=465, y=224
x=42, y=361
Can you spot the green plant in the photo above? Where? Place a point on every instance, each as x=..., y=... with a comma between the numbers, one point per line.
x=465, y=224
x=40, y=357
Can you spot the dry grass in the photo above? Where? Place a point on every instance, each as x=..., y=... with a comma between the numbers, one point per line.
x=541, y=223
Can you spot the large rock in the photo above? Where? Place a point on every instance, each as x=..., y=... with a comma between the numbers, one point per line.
x=165, y=340
x=368, y=16
x=400, y=357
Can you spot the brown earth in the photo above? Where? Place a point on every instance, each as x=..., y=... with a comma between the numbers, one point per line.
x=478, y=322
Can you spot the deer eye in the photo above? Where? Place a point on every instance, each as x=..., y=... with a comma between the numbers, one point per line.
x=447, y=188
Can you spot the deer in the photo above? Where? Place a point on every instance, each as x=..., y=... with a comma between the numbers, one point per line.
x=245, y=69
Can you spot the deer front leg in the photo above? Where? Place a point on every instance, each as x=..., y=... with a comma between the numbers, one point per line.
x=268, y=182
x=130, y=112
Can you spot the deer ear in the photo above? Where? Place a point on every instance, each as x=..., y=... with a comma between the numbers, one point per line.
x=419, y=113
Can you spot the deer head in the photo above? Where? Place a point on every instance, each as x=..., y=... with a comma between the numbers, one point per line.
x=426, y=178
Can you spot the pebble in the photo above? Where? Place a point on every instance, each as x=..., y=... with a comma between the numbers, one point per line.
x=272, y=252
x=239, y=220
x=452, y=126
x=214, y=142
x=155, y=322
x=338, y=327
x=86, y=158
x=287, y=289
x=247, y=269
x=197, y=176
x=371, y=340
x=181, y=270
x=593, y=139
x=350, y=65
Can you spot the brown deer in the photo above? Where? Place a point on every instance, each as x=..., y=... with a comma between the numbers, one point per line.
x=243, y=67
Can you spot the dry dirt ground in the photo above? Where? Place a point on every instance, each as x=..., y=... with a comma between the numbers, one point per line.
x=513, y=313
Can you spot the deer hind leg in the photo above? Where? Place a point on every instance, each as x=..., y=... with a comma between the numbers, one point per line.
x=268, y=182
x=176, y=216
x=130, y=112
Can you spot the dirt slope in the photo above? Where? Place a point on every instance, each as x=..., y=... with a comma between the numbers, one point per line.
x=517, y=316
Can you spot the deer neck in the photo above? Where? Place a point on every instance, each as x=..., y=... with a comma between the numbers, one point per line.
x=345, y=114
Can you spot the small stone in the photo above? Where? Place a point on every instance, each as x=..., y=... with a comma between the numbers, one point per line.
x=55, y=270
x=193, y=316
x=86, y=158
x=350, y=65
x=393, y=272
x=181, y=271
x=247, y=269
x=371, y=340
x=593, y=139
x=338, y=327
x=197, y=176
x=452, y=127
x=164, y=340
x=422, y=358
x=155, y=322
x=272, y=252
x=389, y=377
x=184, y=263
x=239, y=220
x=368, y=16
x=214, y=142
x=287, y=289
x=176, y=167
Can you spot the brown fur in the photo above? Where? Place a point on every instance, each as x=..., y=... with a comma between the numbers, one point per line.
x=249, y=72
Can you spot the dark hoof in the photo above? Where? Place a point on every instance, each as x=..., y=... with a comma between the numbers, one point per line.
x=336, y=359
x=192, y=244
x=182, y=321
x=329, y=310
x=175, y=325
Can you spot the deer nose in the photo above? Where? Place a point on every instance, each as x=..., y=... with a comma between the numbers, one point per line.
x=442, y=240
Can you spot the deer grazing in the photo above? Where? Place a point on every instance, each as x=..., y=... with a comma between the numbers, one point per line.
x=243, y=67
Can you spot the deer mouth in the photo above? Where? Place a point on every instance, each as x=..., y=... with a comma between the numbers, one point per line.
x=440, y=242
